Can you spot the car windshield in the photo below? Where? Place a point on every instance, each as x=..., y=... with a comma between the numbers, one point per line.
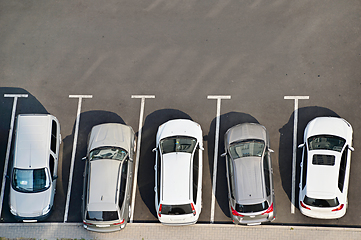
x=326, y=142
x=30, y=180
x=176, y=209
x=321, y=202
x=178, y=144
x=107, y=153
x=102, y=215
x=247, y=148
x=251, y=207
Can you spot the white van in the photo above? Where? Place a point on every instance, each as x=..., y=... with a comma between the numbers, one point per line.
x=34, y=169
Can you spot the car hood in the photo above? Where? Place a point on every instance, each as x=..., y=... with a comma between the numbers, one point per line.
x=110, y=134
x=246, y=131
x=327, y=125
x=30, y=204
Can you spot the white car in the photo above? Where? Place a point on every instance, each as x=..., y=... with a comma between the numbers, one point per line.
x=178, y=172
x=325, y=168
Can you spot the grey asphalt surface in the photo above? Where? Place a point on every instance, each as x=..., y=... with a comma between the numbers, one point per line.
x=182, y=51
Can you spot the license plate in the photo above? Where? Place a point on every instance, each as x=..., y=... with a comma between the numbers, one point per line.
x=102, y=226
x=29, y=221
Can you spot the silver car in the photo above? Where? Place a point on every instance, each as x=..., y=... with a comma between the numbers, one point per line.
x=108, y=177
x=249, y=174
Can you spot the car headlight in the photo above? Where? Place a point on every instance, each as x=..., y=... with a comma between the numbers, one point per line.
x=12, y=210
x=46, y=210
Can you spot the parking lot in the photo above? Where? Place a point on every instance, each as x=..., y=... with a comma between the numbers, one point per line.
x=185, y=59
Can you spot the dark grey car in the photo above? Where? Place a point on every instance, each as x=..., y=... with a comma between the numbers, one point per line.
x=249, y=174
x=108, y=177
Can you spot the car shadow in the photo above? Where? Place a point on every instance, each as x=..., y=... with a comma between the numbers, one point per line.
x=87, y=121
x=305, y=115
x=24, y=106
x=227, y=121
x=146, y=174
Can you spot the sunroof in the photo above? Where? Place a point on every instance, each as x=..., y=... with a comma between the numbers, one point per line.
x=323, y=160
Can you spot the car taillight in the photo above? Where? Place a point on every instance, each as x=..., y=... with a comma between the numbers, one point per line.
x=338, y=209
x=304, y=206
x=119, y=223
x=87, y=223
x=193, y=209
x=235, y=213
x=159, y=210
x=270, y=209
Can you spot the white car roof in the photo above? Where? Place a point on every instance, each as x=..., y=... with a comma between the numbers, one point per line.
x=176, y=178
x=32, y=141
x=322, y=180
x=179, y=127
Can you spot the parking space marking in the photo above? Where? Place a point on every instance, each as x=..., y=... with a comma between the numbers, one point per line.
x=15, y=96
x=216, y=141
x=75, y=141
x=294, y=149
x=141, y=116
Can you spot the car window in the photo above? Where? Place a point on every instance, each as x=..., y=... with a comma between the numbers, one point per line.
x=250, y=208
x=304, y=168
x=107, y=153
x=30, y=180
x=54, y=129
x=195, y=174
x=176, y=209
x=230, y=175
x=326, y=142
x=342, y=171
x=159, y=169
x=321, y=202
x=51, y=165
x=266, y=170
x=247, y=148
x=102, y=215
x=123, y=183
x=178, y=144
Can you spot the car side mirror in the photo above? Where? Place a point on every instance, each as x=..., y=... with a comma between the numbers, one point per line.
x=301, y=145
x=351, y=148
x=7, y=176
x=154, y=149
x=223, y=154
x=271, y=151
x=201, y=148
x=84, y=158
x=55, y=177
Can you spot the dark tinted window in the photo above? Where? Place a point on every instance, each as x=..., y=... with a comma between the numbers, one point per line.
x=195, y=175
x=102, y=215
x=252, y=207
x=108, y=153
x=304, y=168
x=176, y=209
x=266, y=170
x=341, y=174
x=123, y=183
x=326, y=142
x=321, y=202
x=54, y=130
x=230, y=175
x=51, y=165
x=246, y=148
x=159, y=169
x=328, y=160
x=30, y=180
x=178, y=144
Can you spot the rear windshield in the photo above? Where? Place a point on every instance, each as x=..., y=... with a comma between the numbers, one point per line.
x=321, y=202
x=176, y=209
x=178, y=144
x=102, y=215
x=247, y=148
x=30, y=180
x=326, y=142
x=252, y=207
x=107, y=153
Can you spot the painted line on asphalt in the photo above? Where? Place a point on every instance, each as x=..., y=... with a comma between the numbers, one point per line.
x=294, y=148
x=216, y=142
x=8, y=148
x=75, y=141
x=141, y=116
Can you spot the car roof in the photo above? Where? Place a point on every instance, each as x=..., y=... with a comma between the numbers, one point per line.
x=246, y=131
x=322, y=180
x=110, y=134
x=248, y=177
x=176, y=178
x=104, y=175
x=32, y=140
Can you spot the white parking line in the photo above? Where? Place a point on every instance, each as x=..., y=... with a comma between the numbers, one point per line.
x=294, y=149
x=75, y=141
x=216, y=141
x=15, y=96
x=142, y=97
